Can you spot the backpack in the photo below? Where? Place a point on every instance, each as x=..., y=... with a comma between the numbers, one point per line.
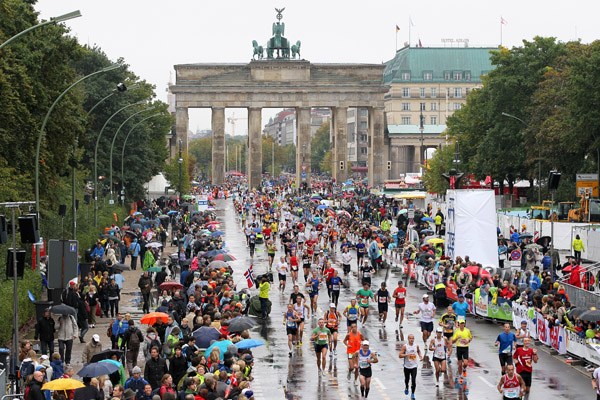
x=155, y=343
x=134, y=339
x=109, y=332
x=27, y=368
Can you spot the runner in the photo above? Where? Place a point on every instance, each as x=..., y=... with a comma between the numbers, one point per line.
x=321, y=336
x=596, y=382
x=366, y=270
x=427, y=311
x=439, y=345
x=351, y=313
x=522, y=333
x=463, y=336
x=252, y=243
x=511, y=384
x=332, y=318
x=282, y=268
x=461, y=307
x=290, y=320
x=294, y=267
x=365, y=358
x=525, y=356
x=303, y=312
x=448, y=323
x=360, y=253
x=306, y=264
x=352, y=342
x=346, y=259
x=409, y=353
x=295, y=294
x=400, y=303
x=505, y=342
x=383, y=299
x=336, y=284
x=327, y=275
x=363, y=296
x=313, y=291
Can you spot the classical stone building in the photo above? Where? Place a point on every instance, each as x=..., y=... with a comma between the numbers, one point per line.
x=432, y=82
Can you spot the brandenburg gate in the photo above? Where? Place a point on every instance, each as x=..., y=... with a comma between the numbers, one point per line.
x=283, y=80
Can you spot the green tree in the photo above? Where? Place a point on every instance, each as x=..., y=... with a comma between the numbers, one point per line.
x=326, y=163
x=172, y=174
x=440, y=163
x=320, y=145
x=201, y=151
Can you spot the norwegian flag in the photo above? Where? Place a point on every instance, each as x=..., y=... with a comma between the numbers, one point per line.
x=249, y=275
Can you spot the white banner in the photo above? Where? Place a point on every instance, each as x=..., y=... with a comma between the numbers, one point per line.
x=523, y=313
x=577, y=346
x=471, y=226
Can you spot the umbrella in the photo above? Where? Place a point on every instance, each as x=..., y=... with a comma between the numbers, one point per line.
x=212, y=223
x=316, y=197
x=172, y=212
x=213, y=253
x=163, y=217
x=249, y=343
x=94, y=370
x=151, y=222
x=112, y=237
x=473, y=269
x=322, y=207
x=150, y=319
x=154, y=269
x=435, y=240
x=222, y=345
x=170, y=285
x=63, y=309
x=192, y=287
x=128, y=232
x=525, y=235
x=590, y=315
x=256, y=230
x=534, y=246
x=240, y=324
x=106, y=354
x=218, y=264
x=136, y=226
x=63, y=384
x=224, y=257
x=427, y=219
x=427, y=231
x=154, y=244
x=403, y=211
x=122, y=267
x=344, y=213
x=218, y=233
x=204, y=335
x=575, y=312
x=135, y=214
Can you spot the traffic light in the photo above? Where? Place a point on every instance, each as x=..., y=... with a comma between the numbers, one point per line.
x=389, y=165
x=341, y=165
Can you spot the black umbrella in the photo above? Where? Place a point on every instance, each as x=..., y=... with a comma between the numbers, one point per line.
x=576, y=312
x=163, y=217
x=590, y=315
x=105, y=355
x=132, y=233
x=205, y=335
x=94, y=370
x=122, y=267
x=63, y=309
x=240, y=324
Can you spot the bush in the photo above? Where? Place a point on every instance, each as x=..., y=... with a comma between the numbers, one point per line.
x=31, y=281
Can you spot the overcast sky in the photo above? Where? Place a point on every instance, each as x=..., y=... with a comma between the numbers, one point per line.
x=153, y=35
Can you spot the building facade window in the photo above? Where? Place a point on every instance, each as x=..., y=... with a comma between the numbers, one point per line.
x=433, y=120
x=405, y=92
x=422, y=92
x=467, y=75
x=363, y=150
x=428, y=76
x=363, y=125
x=406, y=76
x=433, y=106
x=457, y=76
x=422, y=106
x=433, y=93
x=405, y=106
x=467, y=91
x=363, y=112
x=363, y=138
x=457, y=92
x=447, y=75
x=457, y=106
x=405, y=120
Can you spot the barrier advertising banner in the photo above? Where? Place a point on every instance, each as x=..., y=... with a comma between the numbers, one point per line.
x=471, y=226
x=501, y=310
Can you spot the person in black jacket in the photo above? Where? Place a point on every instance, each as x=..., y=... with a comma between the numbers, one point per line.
x=44, y=331
x=69, y=296
x=155, y=368
x=35, y=386
x=177, y=365
x=82, y=316
x=114, y=295
x=88, y=392
x=145, y=285
x=132, y=338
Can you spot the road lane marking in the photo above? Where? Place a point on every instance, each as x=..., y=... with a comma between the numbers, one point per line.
x=376, y=380
x=486, y=381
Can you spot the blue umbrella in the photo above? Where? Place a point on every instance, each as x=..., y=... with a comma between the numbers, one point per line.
x=249, y=343
x=204, y=335
x=94, y=370
x=427, y=231
x=136, y=213
x=315, y=197
x=322, y=207
x=213, y=253
x=428, y=219
x=136, y=226
x=151, y=222
x=256, y=230
x=218, y=233
x=222, y=345
x=172, y=212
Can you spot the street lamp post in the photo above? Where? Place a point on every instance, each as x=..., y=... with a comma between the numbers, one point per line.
x=41, y=133
x=180, y=160
x=125, y=145
x=112, y=146
x=54, y=20
x=96, y=157
x=422, y=129
x=539, y=156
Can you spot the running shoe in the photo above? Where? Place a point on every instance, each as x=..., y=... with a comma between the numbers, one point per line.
x=406, y=391
x=330, y=354
x=335, y=352
x=324, y=372
x=349, y=374
x=396, y=319
x=290, y=353
x=301, y=343
x=412, y=395
x=437, y=383
x=401, y=326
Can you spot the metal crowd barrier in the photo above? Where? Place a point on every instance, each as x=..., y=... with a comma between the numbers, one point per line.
x=580, y=297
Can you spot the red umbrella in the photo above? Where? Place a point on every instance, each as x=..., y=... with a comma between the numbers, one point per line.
x=224, y=257
x=170, y=285
x=211, y=222
x=473, y=271
x=150, y=319
x=568, y=268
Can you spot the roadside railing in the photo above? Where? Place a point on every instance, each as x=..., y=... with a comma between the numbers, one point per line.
x=580, y=297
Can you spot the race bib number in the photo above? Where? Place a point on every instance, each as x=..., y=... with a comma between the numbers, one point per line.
x=401, y=295
x=463, y=342
x=512, y=393
x=363, y=364
x=291, y=324
x=364, y=301
x=335, y=287
x=352, y=317
x=322, y=336
x=412, y=357
x=507, y=350
x=382, y=300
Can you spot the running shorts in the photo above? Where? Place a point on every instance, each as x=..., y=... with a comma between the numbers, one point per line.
x=320, y=347
x=427, y=326
x=366, y=372
x=526, y=375
x=382, y=307
x=505, y=359
x=291, y=331
x=462, y=353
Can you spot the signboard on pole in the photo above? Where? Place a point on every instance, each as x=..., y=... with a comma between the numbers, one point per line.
x=587, y=181
x=62, y=262
x=202, y=203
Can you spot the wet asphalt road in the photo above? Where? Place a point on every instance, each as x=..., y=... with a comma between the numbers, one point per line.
x=278, y=376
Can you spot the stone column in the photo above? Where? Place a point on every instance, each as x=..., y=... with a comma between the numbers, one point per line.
x=218, y=145
x=254, y=148
x=395, y=159
x=376, y=147
x=181, y=130
x=339, y=148
x=303, y=130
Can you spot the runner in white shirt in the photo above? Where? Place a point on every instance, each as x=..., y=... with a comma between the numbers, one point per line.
x=596, y=382
x=282, y=269
x=346, y=259
x=427, y=311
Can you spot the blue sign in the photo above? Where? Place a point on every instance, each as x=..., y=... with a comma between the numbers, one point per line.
x=304, y=174
x=73, y=247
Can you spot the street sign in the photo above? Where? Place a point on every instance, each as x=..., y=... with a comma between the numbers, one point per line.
x=304, y=174
x=515, y=255
x=411, y=213
x=303, y=167
x=111, y=201
x=587, y=181
x=62, y=262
